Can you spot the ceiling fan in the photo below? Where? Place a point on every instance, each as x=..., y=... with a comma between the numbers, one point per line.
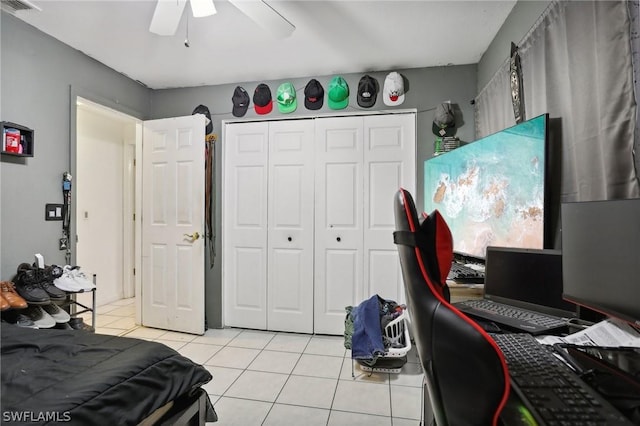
x=168, y=13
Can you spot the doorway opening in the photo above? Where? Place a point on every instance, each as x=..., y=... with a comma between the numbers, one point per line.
x=104, y=182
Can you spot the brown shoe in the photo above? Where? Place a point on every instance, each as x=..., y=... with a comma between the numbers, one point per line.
x=4, y=305
x=11, y=296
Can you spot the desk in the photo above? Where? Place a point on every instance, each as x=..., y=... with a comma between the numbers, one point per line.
x=460, y=292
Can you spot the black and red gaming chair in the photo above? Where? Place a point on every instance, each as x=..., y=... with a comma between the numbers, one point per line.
x=465, y=372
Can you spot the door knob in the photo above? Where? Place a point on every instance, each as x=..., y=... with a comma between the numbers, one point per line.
x=338, y=239
x=290, y=239
x=193, y=236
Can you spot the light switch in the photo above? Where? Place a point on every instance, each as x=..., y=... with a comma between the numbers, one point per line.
x=53, y=211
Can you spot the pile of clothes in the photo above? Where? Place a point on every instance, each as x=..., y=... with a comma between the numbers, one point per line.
x=364, y=325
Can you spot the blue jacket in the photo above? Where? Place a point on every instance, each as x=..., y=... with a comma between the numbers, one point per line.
x=366, y=342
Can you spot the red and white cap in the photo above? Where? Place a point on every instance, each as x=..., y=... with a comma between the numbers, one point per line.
x=393, y=92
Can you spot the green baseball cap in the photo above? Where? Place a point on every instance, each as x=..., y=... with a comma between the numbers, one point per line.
x=286, y=98
x=338, y=93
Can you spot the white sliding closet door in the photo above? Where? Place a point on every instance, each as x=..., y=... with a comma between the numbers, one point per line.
x=290, y=226
x=360, y=164
x=245, y=224
x=338, y=224
x=389, y=163
x=308, y=218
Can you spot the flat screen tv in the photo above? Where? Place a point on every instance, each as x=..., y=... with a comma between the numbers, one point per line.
x=492, y=192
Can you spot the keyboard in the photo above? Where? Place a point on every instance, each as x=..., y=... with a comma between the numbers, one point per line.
x=511, y=316
x=462, y=273
x=552, y=391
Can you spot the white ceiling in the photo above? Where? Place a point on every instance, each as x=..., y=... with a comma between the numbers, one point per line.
x=331, y=37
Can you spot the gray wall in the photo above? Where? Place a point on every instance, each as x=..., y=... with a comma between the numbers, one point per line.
x=39, y=74
x=427, y=87
x=522, y=17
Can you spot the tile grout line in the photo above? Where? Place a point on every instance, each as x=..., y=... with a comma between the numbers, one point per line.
x=244, y=370
x=286, y=381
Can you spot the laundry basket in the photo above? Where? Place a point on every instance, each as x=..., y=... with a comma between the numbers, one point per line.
x=396, y=335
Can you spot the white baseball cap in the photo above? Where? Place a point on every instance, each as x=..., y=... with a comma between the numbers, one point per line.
x=393, y=93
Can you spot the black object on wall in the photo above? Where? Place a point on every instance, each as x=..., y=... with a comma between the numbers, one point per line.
x=517, y=91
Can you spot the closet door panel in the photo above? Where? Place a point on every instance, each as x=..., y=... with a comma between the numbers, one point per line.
x=343, y=268
x=245, y=225
x=246, y=298
x=338, y=221
x=290, y=226
x=389, y=164
x=382, y=267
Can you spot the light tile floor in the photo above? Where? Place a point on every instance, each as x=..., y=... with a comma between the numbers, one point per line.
x=273, y=378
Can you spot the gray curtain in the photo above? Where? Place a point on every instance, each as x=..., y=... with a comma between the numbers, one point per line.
x=634, y=17
x=576, y=66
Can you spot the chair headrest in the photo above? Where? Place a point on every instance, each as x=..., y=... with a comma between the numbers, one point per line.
x=430, y=235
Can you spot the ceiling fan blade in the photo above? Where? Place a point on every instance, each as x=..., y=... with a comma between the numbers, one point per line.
x=167, y=16
x=265, y=16
x=202, y=8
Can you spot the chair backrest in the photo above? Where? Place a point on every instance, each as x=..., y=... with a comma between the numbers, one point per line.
x=465, y=372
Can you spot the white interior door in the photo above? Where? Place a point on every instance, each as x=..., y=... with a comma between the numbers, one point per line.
x=290, y=226
x=338, y=221
x=173, y=224
x=245, y=225
x=389, y=163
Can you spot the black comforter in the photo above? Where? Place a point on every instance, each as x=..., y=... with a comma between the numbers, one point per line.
x=77, y=377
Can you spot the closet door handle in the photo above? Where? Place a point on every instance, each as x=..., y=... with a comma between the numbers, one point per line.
x=193, y=236
x=289, y=239
x=338, y=239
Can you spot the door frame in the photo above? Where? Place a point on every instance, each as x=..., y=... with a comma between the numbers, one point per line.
x=132, y=231
x=223, y=124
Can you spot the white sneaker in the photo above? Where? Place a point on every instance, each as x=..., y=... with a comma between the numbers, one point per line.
x=81, y=279
x=59, y=315
x=67, y=281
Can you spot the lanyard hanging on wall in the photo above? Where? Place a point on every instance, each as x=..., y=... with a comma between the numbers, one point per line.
x=66, y=216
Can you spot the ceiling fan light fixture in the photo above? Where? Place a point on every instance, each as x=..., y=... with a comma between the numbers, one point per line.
x=202, y=8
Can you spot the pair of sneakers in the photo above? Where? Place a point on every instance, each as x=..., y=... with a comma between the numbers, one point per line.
x=73, y=280
x=35, y=285
x=40, y=316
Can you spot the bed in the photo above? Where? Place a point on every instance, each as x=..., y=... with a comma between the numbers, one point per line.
x=53, y=376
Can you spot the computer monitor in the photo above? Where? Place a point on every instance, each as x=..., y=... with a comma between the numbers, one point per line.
x=527, y=278
x=601, y=256
x=493, y=191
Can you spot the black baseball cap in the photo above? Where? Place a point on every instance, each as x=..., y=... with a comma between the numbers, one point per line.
x=240, y=101
x=262, y=101
x=204, y=110
x=367, y=91
x=313, y=95
x=444, y=120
